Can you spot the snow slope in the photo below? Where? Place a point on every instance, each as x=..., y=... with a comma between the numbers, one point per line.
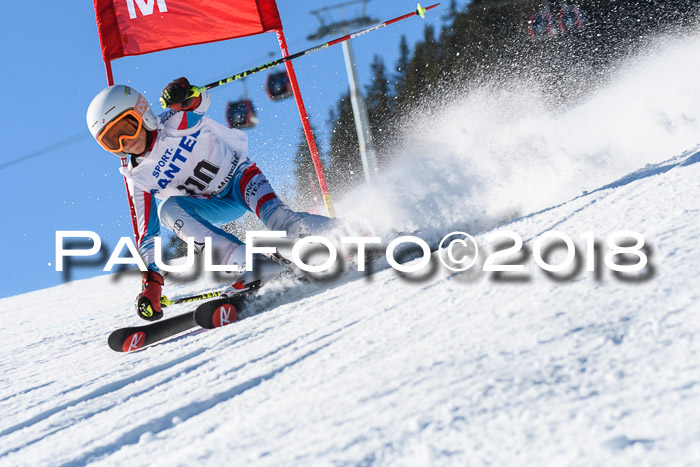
x=453, y=368
x=440, y=369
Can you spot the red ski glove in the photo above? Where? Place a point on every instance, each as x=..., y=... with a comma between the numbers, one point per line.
x=148, y=302
x=180, y=95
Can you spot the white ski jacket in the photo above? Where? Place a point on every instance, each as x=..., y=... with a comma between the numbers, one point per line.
x=191, y=155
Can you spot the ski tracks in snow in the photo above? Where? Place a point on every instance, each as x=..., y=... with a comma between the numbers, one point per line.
x=151, y=406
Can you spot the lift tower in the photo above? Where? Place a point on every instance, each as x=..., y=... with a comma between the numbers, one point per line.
x=327, y=28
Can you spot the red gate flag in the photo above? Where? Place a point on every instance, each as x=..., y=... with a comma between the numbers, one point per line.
x=135, y=27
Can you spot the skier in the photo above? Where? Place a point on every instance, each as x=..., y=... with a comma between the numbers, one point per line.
x=200, y=171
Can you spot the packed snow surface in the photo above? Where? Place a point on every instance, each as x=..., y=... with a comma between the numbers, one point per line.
x=430, y=368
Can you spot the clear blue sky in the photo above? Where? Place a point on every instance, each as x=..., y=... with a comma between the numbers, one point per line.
x=53, y=67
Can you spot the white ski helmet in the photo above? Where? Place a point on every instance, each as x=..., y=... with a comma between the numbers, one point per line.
x=114, y=102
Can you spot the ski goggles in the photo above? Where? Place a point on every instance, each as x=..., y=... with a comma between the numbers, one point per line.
x=126, y=126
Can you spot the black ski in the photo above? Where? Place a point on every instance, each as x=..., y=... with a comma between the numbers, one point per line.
x=220, y=312
x=136, y=337
x=210, y=314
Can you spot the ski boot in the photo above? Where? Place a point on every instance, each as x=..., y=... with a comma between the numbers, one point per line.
x=265, y=268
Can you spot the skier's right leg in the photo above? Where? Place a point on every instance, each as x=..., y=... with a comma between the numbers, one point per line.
x=199, y=217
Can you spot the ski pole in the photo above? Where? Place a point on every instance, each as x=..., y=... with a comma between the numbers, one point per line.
x=165, y=301
x=419, y=11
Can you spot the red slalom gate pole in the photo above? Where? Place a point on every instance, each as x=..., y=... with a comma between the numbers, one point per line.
x=327, y=199
x=132, y=210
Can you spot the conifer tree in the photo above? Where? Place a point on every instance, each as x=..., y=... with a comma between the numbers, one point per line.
x=303, y=167
x=378, y=107
x=401, y=69
x=488, y=41
x=345, y=169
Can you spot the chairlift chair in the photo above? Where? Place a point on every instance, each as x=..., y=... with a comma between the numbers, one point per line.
x=278, y=86
x=570, y=19
x=540, y=24
x=241, y=114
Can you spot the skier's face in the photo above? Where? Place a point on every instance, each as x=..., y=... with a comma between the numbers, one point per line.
x=136, y=145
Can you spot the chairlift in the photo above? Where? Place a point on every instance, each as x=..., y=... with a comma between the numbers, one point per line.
x=278, y=86
x=570, y=19
x=241, y=114
x=540, y=24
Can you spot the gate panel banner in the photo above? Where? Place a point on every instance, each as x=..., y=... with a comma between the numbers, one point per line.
x=136, y=27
